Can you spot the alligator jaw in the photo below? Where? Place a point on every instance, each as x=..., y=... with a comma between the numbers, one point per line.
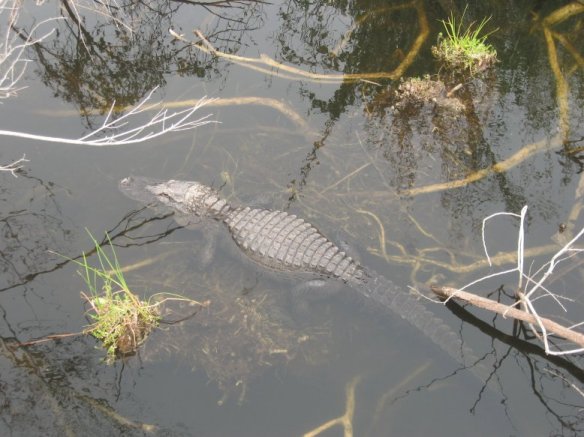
x=172, y=193
x=135, y=188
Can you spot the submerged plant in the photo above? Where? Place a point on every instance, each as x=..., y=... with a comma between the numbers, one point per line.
x=465, y=48
x=119, y=318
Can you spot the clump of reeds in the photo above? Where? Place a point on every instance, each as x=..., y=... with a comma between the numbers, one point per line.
x=120, y=320
x=465, y=48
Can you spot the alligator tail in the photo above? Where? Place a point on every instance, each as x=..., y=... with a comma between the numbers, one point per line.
x=380, y=290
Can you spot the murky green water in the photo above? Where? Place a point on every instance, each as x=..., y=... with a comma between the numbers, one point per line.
x=320, y=128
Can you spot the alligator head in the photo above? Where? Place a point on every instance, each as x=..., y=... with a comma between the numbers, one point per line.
x=186, y=197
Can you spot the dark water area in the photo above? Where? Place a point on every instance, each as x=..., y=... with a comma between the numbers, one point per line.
x=317, y=116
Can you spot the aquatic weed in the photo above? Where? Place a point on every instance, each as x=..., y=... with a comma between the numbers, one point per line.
x=120, y=320
x=465, y=48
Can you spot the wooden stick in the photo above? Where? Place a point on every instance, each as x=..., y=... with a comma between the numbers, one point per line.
x=507, y=311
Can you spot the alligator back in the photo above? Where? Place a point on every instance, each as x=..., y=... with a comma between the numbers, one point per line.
x=285, y=242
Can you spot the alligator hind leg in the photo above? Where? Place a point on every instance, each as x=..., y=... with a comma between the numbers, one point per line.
x=206, y=246
x=208, y=249
x=346, y=246
x=317, y=289
x=306, y=294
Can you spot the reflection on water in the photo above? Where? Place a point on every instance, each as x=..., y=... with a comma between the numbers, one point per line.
x=31, y=225
x=330, y=125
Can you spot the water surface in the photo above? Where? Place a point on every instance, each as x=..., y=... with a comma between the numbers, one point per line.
x=336, y=150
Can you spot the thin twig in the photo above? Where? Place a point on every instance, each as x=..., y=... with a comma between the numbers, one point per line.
x=500, y=167
x=50, y=338
x=15, y=166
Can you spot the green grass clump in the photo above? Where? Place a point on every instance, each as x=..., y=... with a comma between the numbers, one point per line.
x=465, y=48
x=120, y=320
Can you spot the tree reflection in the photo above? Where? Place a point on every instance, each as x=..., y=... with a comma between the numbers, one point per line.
x=379, y=36
x=550, y=377
x=126, y=51
x=58, y=392
x=430, y=145
x=29, y=208
x=371, y=36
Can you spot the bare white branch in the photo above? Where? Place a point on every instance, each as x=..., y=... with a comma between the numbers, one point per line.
x=13, y=167
x=116, y=132
x=556, y=259
x=13, y=46
x=534, y=283
x=485, y=220
x=570, y=383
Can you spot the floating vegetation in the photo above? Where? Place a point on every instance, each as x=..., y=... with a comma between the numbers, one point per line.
x=120, y=320
x=465, y=49
x=417, y=92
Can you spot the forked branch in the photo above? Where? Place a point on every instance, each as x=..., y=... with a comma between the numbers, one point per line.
x=531, y=287
x=114, y=131
x=14, y=166
x=13, y=44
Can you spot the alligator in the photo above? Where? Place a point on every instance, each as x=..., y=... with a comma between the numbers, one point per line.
x=286, y=243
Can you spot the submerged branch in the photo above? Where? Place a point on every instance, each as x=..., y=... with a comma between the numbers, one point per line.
x=267, y=65
x=562, y=87
x=275, y=104
x=500, y=167
x=563, y=13
x=346, y=420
